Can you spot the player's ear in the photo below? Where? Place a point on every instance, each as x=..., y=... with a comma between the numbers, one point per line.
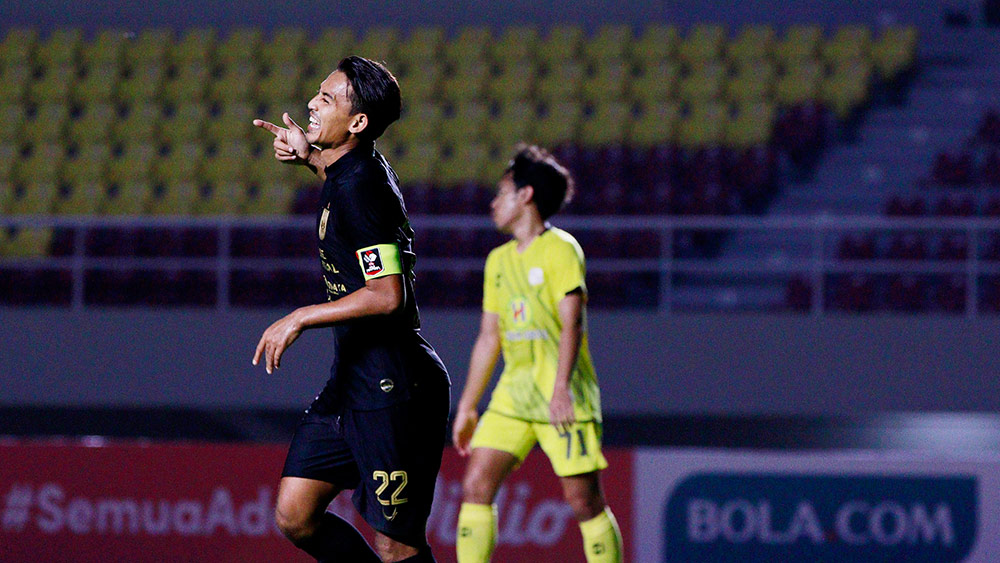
x=359, y=122
x=526, y=194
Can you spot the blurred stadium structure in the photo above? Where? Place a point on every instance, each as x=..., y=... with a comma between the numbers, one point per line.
x=790, y=213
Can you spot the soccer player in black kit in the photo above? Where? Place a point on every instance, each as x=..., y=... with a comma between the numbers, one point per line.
x=380, y=423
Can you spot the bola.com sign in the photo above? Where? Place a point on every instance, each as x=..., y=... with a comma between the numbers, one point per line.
x=833, y=506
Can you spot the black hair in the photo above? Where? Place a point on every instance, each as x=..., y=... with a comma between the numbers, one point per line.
x=374, y=92
x=552, y=183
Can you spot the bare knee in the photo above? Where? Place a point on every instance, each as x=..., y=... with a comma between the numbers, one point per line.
x=389, y=549
x=477, y=487
x=296, y=525
x=584, y=496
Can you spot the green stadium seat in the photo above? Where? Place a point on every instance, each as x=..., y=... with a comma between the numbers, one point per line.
x=284, y=81
x=37, y=197
x=18, y=46
x=196, y=47
x=6, y=195
x=467, y=82
x=335, y=43
x=559, y=124
x=273, y=197
x=92, y=125
x=465, y=125
x=799, y=83
x=848, y=43
x=98, y=84
x=287, y=45
x=514, y=81
x=894, y=52
x=468, y=162
x=107, y=48
x=241, y=46
x=799, y=42
x=704, y=126
x=13, y=116
x=47, y=126
x=149, y=48
x=656, y=44
x=422, y=45
x=28, y=243
x=752, y=126
x=847, y=87
x=754, y=43
x=14, y=80
x=754, y=79
x=233, y=122
x=188, y=85
x=175, y=197
x=704, y=82
x=379, y=43
x=611, y=42
x=140, y=124
x=562, y=43
x=607, y=81
x=656, y=82
x=655, y=124
x=516, y=43
x=421, y=84
x=85, y=198
x=420, y=123
x=416, y=163
x=182, y=163
x=88, y=165
x=223, y=198
x=9, y=155
x=184, y=125
x=54, y=86
x=235, y=84
x=703, y=43
x=61, y=48
x=608, y=124
x=141, y=84
x=471, y=43
x=135, y=164
x=512, y=124
x=562, y=81
x=228, y=164
x=130, y=197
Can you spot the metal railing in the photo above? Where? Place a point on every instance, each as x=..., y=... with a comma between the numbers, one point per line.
x=815, y=264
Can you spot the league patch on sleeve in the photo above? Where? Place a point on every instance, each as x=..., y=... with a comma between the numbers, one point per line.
x=380, y=260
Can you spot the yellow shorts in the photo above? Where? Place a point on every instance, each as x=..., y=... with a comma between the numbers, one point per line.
x=573, y=453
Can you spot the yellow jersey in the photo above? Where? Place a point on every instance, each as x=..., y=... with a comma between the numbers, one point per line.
x=524, y=289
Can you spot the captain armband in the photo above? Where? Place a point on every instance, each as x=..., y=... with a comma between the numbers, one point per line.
x=379, y=261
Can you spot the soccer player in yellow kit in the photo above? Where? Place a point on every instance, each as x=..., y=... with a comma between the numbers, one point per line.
x=534, y=298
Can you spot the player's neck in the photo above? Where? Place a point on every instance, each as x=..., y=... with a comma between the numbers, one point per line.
x=329, y=155
x=528, y=229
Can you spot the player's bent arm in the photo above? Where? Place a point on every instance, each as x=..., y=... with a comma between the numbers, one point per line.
x=570, y=336
x=380, y=296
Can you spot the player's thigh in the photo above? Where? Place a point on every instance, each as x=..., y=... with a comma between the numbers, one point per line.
x=506, y=434
x=302, y=501
x=486, y=470
x=574, y=452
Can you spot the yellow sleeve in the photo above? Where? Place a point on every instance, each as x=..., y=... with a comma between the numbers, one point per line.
x=490, y=297
x=566, y=269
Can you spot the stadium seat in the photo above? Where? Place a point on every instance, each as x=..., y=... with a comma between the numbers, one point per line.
x=284, y=81
x=9, y=154
x=562, y=43
x=18, y=45
x=559, y=124
x=92, y=125
x=54, y=86
x=36, y=197
x=220, y=198
x=753, y=43
x=106, y=49
x=702, y=43
x=894, y=52
x=466, y=124
x=98, y=84
x=752, y=126
x=81, y=198
x=184, y=124
x=59, y=49
x=187, y=85
x=516, y=43
x=471, y=42
x=800, y=42
x=48, y=124
x=515, y=80
x=606, y=81
x=657, y=82
x=419, y=123
x=560, y=82
x=611, y=42
x=422, y=44
x=227, y=164
x=141, y=84
x=195, y=47
x=655, y=125
x=130, y=197
x=799, y=83
x=41, y=165
x=180, y=164
x=847, y=87
x=423, y=84
x=608, y=124
x=704, y=126
x=704, y=82
x=235, y=84
x=174, y=197
x=849, y=42
x=334, y=43
x=272, y=197
x=286, y=45
x=241, y=45
x=656, y=44
x=234, y=121
x=140, y=125
x=465, y=164
x=467, y=82
x=28, y=243
x=134, y=164
x=513, y=123
x=379, y=43
x=14, y=80
x=416, y=164
x=754, y=80
x=88, y=165
x=13, y=116
x=149, y=48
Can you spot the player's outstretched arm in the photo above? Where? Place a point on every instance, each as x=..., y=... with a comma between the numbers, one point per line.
x=291, y=146
x=561, y=413
x=481, y=364
x=380, y=296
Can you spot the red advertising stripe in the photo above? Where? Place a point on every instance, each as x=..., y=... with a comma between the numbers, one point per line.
x=133, y=501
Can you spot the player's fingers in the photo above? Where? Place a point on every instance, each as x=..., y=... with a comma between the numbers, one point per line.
x=258, y=351
x=267, y=125
x=289, y=121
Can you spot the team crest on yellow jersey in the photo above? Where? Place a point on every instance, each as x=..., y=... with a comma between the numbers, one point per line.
x=521, y=311
x=322, y=222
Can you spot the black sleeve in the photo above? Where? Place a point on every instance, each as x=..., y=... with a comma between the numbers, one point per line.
x=368, y=217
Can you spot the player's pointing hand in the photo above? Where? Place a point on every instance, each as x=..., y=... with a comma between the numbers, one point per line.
x=290, y=144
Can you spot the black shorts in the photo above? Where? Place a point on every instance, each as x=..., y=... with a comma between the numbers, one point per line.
x=389, y=456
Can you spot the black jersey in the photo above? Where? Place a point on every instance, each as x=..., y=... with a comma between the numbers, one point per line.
x=363, y=231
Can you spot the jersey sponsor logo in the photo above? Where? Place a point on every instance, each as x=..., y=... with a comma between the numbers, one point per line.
x=373, y=262
x=323, y=220
x=536, y=276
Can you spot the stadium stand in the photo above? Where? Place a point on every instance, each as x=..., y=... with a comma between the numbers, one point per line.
x=656, y=120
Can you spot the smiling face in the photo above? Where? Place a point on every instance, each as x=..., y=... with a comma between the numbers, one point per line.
x=330, y=120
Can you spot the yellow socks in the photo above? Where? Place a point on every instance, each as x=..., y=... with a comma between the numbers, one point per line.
x=477, y=533
x=602, y=541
